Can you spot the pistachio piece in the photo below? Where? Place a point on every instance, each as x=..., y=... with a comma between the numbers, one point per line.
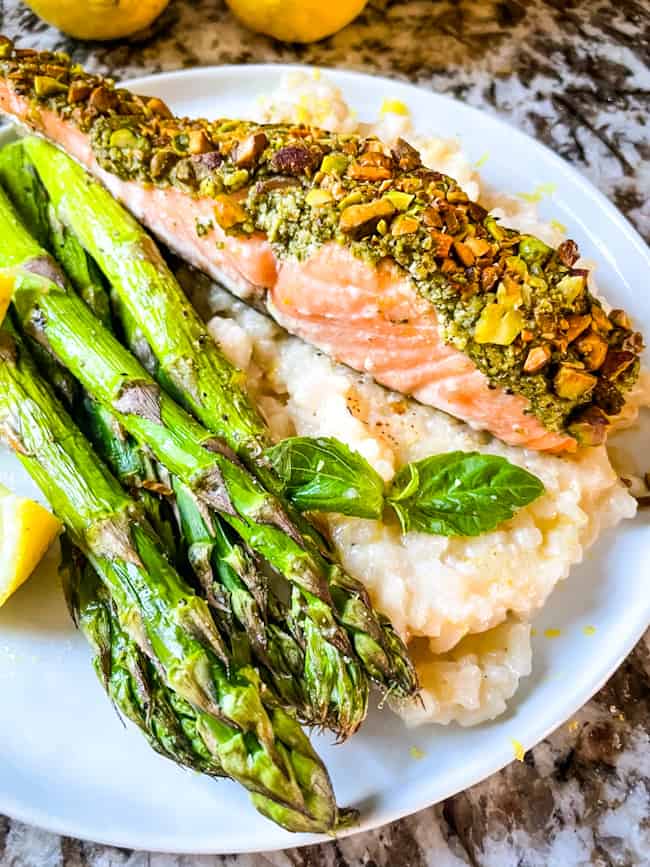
x=617, y=362
x=509, y=292
x=406, y=156
x=376, y=157
x=498, y=324
x=45, y=86
x=457, y=196
x=359, y=172
x=247, y=151
x=335, y=163
x=478, y=246
x=533, y=251
x=590, y=427
x=295, y=160
x=572, y=383
x=158, y=107
x=571, y=286
x=400, y=200
x=79, y=91
x=450, y=218
x=228, y=212
x=477, y=212
x=315, y=198
x=442, y=241
x=494, y=229
x=577, y=324
x=360, y=220
x=207, y=162
x=537, y=358
x=568, y=253
x=102, y=99
x=162, y=162
x=601, y=322
x=489, y=277
x=620, y=319
x=198, y=142
x=432, y=218
x=6, y=46
x=594, y=349
x=123, y=138
x=404, y=225
x=464, y=253
x=633, y=342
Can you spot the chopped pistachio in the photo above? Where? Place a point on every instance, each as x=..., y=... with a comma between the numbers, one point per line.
x=351, y=199
x=464, y=253
x=617, y=362
x=571, y=287
x=537, y=359
x=228, y=212
x=590, y=427
x=198, y=142
x=601, y=321
x=509, y=292
x=123, y=138
x=478, y=246
x=533, y=251
x=248, y=150
x=359, y=172
x=401, y=200
x=360, y=220
x=494, y=229
x=594, y=349
x=335, y=163
x=404, y=225
x=44, y=86
x=620, y=319
x=498, y=324
x=158, y=107
x=572, y=383
x=577, y=325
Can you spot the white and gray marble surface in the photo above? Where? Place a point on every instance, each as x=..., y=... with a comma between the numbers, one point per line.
x=575, y=74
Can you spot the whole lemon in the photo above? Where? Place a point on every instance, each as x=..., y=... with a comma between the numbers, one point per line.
x=99, y=19
x=296, y=20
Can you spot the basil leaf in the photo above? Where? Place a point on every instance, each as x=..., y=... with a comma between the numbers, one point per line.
x=460, y=493
x=323, y=475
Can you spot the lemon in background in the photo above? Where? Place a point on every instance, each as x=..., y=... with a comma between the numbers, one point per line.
x=296, y=20
x=99, y=19
x=26, y=532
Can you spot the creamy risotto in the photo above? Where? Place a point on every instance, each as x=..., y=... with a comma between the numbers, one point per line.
x=464, y=604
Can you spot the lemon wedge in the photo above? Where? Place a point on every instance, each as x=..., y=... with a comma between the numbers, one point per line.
x=296, y=20
x=99, y=19
x=6, y=291
x=26, y=532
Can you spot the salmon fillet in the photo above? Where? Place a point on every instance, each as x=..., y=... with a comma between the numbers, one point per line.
x=356, y=248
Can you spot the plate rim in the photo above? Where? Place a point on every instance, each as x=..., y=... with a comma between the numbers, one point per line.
x=534, y=734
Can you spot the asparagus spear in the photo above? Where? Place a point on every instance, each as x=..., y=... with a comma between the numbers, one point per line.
x=192, y=366
x=269, y=755
x=60, y=320
x=224, y=569
x=132, y=464
x=131, y=681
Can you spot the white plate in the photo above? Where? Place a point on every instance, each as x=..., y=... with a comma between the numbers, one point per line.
x=68, y=765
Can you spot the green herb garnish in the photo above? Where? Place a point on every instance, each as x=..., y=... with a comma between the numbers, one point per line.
x=460, y=493
x=324, y=475
x=455, y=494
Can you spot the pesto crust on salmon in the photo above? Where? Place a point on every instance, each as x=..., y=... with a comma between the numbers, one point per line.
x=356, y=247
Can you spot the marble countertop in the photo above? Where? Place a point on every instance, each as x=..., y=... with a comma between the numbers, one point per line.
x=575, y=74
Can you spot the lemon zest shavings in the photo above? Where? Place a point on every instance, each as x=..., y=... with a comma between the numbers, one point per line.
x=538, y=193
x=518, y=748
x=394, y=106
